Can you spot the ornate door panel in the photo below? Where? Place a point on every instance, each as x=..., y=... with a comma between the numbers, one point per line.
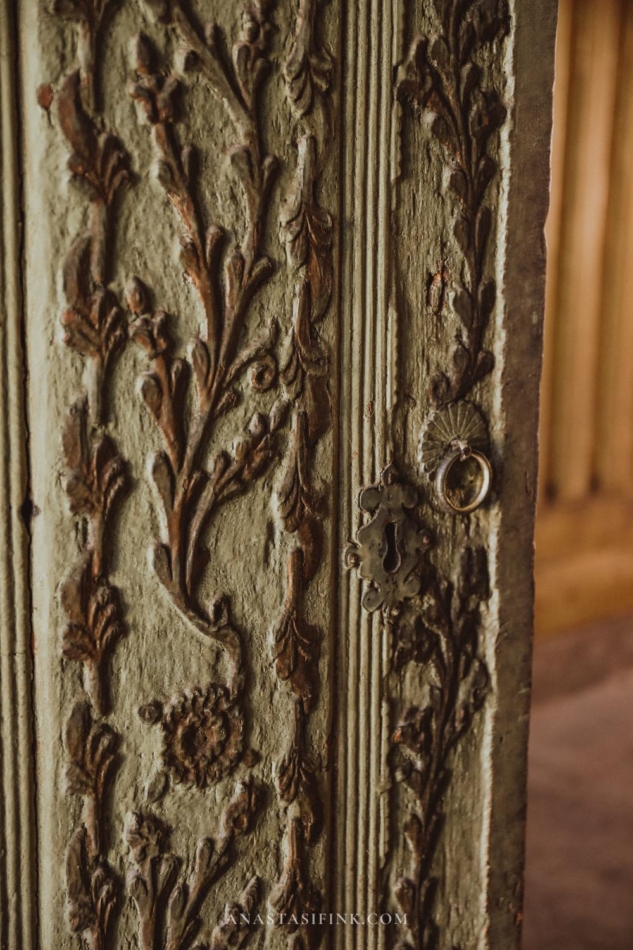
x=272, y=284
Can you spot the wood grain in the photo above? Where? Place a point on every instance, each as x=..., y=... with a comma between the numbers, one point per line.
x=614, y=418
x=586, y=427
x=562, y=94
x=592, y=110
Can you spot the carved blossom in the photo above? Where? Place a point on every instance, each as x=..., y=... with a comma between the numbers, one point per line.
x=202, y=735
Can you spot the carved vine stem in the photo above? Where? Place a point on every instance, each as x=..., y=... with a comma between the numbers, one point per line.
x=307, y=230
x=436, y=627
x=441, y=75
x=95, y=475
x=226, y=283
x=438, y=630
x=169, y=902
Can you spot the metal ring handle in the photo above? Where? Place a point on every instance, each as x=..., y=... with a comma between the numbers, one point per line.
x=459, y=454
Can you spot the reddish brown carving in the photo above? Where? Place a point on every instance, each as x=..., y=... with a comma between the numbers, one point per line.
x=169, y=903
x=226, y=279
x=92, y=885
x=94, y=474
x=308, y=233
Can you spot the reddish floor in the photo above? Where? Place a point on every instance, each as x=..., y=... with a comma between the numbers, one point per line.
x=579, y=877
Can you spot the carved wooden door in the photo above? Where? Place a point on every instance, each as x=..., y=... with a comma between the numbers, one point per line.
x=272, y=286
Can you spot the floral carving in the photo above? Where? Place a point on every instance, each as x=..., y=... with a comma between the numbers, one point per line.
x=297, y=781
x=296, y=642
x=95, y=624
x=307, y=229
x=295, y=895
x=169, y=902
x=92, y=885
x=92, y=892
x=446, y=644
x=89, y=16
x=95, y=476
x=308, y=68
x=99, y=166
x=435, y=624
x=202, y=735
x=226, y=280
x=441, y=75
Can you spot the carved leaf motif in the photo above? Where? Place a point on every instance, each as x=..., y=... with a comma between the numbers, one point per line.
x=295, y=494
x=296, y=651
x=155, y=93
x=96, y=474
x=234, y=931
x=295, y=894
x=445, y=622
x=297, y=779
x=296, y=642
x=146, y=836
x=92, y=891
x=156, y=871
x=92, y=748
x=98, y=163
x=249, y=59
x=249, y=458
x=308, y=68
x=94, y=611
x=93, y=325
x=81, y=910
x=169, y=903
x=415, y=642
x=237, y=818
x=440, y=75
x=305, y=368
x=308, y=230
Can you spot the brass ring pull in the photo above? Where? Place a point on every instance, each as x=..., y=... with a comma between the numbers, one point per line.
x=460, y=453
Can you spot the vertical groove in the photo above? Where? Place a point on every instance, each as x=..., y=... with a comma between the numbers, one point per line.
x=363, y=318
x=370, y=465
x=350, y=585
x=365, y=369
x=382, y=727
x=16, y=862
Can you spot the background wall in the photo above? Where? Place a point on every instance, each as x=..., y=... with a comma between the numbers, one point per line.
x=584, y=538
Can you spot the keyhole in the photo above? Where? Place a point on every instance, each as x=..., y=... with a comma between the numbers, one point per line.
x=391, y=560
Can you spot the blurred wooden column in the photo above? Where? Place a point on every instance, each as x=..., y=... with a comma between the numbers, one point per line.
x=584, y=553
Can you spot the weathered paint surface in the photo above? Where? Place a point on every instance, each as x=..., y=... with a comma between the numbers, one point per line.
x=267, y=264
